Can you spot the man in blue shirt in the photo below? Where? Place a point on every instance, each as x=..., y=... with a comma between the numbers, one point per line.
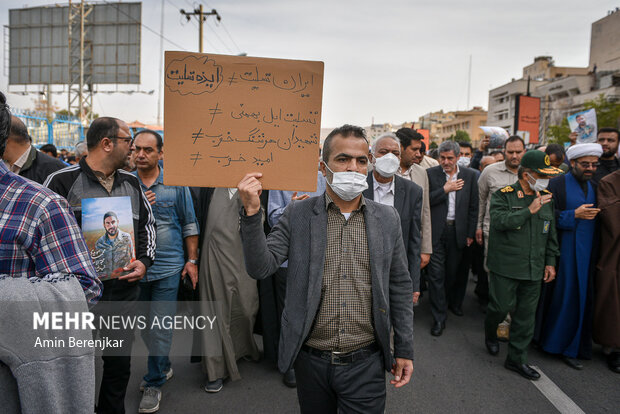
x=176, y=220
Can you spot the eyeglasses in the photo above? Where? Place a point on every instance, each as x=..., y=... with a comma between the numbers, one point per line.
x=584, y=164
x=123, y=138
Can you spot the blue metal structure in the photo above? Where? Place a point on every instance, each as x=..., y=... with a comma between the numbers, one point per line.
x=62, y=131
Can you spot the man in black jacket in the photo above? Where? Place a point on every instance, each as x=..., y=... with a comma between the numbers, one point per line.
x=453, y=193
x=608, y=138
x=100, y=175
x=23, y=158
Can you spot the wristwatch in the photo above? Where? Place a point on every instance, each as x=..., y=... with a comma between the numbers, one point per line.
x=193, y=261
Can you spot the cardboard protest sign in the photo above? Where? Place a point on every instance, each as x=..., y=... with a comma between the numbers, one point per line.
x=225, y=116
x=584, y=124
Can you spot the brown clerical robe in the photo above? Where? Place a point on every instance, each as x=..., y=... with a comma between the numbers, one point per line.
x=227, y=289
x=607, y=300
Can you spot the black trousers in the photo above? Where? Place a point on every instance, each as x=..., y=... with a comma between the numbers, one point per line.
x=116, y=363
x=482, y=281
x=456, y=291
x=355, y=388
x=442, y=272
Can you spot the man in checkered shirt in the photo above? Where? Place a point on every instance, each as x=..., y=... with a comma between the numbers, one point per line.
x=43, y=256
x=348, y=285
x=38, y=232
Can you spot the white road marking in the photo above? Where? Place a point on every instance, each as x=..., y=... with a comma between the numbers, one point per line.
x=555, y=395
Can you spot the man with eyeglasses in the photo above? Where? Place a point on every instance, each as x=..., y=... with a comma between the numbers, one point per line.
x=101, y=175
x=564, y=320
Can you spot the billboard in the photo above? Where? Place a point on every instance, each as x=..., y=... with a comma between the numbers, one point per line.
x=39, y=44
x=527, y=118
x=426, y=134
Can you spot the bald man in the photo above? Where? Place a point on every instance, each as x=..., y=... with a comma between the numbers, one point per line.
x=486, y=161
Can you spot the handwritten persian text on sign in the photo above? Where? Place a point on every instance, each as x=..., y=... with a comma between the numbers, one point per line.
x=226, y=116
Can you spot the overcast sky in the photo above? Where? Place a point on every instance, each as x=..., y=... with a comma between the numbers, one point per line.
x=392, y=60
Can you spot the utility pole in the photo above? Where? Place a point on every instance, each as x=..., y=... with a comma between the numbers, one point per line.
x=80, y=96
x=161, y=63
x=202, y=17
x=468, y=83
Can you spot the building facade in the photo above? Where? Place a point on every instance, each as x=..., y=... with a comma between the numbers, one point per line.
x=468, y=121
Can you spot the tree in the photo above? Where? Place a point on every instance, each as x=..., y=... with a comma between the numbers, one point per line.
x=607, y=112
x=607, y=115
x=460, y=136
x=558, y=134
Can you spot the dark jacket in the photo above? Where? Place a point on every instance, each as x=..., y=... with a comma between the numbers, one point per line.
x=78, y=182
x=466, y=207
x=39, y=166
x=606, y=167
x=301, y=237
x=408, y=203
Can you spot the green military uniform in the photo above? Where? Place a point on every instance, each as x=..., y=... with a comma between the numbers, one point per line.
x=521, y=244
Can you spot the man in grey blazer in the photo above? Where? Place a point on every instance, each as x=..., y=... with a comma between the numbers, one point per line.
x=405, y=196
x=454, y=215
x=348, y=283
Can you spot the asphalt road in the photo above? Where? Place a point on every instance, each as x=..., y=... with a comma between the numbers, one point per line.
x=452, y=374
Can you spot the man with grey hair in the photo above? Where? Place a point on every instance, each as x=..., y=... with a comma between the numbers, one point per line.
x=81, y=150
x=454, y=214
x=405, y=196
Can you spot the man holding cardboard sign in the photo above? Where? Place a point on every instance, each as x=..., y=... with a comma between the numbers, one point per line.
x=348, y=283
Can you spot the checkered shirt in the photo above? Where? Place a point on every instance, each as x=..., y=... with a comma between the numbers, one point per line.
x=344, y=321
x=39, y=235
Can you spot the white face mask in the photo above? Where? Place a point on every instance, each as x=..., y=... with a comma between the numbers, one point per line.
x=464, y=162
x=538, y=184
x=387, y=165
x=347, y=184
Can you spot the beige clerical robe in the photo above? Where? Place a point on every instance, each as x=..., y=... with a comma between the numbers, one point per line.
x=227, y=290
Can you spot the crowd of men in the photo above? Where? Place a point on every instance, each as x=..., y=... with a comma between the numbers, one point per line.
x=339, y=271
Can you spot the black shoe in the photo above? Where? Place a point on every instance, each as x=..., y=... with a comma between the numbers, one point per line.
x=613, y=362
x=523, y=369
x=289, y=378
x=492, y=346
x=457, y=311
x=437, y=328
x=572, y=362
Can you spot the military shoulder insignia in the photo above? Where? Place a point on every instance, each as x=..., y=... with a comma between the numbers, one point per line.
x=507, y=189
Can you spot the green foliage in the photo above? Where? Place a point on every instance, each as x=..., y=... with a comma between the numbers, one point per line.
x=607, y=112
x=558, y=134
x=607, y=115
x=460, y=136
x=75, y=113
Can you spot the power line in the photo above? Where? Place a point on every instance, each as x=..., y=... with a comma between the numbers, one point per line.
x=146, y=27
x=230, y=37
x=219, y=24
x=220, y=39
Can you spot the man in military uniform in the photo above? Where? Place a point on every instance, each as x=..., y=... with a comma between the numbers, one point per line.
x=522, y=251
x=115, y=247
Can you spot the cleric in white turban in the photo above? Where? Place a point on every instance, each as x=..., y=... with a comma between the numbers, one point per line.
x=584, y=150
x=564, y=327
